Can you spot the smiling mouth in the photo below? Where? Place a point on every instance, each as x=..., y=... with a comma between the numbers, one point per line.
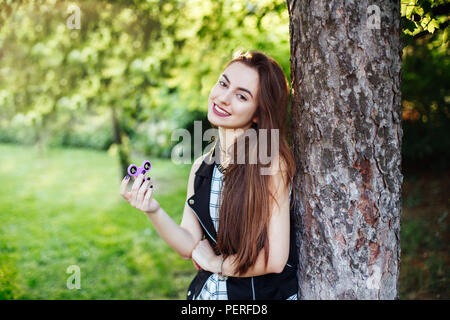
x=220, y=111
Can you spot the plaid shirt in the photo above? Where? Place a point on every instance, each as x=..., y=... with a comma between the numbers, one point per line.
x=214, y=288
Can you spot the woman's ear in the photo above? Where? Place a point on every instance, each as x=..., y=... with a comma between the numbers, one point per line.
x=254, y=123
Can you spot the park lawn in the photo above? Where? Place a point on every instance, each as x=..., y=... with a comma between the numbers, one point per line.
x=63, y=208
x=424, y=267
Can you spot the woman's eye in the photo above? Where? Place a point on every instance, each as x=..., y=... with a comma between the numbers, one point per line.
x=242, y=97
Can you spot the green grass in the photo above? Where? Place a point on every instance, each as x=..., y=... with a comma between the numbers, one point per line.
x=63, y=208
x=424, y=270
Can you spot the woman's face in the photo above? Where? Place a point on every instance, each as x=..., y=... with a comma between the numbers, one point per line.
x=236, y=94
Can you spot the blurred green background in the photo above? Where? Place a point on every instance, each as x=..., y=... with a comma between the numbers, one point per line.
x=78, y=105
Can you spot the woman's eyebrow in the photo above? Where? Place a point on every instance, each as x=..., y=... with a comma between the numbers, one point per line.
x=243, y=89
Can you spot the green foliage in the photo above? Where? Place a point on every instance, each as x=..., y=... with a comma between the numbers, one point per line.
x=422, y=16
x=153, y=61
x=425, y=98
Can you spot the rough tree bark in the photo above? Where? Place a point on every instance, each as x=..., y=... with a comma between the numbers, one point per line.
x=346, y=126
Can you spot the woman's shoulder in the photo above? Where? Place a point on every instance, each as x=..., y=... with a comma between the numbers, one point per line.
x=279, y=176
x=198, y=162
x=278, y=166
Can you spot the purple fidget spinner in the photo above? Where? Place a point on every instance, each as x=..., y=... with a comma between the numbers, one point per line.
x=134, y=170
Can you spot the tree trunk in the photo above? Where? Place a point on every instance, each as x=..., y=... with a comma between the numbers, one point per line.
x=122, y=146
x=346, y=109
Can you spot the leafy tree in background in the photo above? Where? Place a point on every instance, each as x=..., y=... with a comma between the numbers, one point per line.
x=425, y=91
x=135, y=69
x=138, y=69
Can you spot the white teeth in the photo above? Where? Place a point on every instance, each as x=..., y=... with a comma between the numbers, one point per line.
x=220, y=111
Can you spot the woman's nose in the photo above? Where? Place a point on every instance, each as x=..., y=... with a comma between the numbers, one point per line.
x=225, y=97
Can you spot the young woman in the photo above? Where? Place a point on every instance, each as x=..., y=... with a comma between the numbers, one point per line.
x=237, y=225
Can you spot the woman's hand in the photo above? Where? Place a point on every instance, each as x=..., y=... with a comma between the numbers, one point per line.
x=140, y=195
x=205, y=257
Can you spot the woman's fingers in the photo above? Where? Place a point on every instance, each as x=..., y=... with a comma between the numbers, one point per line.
x=140, y=195
x=123, y=188
x=142, y=190
x=147, y=198
x=135, y=189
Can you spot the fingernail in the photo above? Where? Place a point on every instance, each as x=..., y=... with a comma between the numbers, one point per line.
x=148, y=178
x=127, y=177
x=151, y=186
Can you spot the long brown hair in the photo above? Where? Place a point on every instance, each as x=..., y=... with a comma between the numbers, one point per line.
x=247, y=196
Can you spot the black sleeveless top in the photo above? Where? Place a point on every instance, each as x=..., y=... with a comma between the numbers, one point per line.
x=272, y=286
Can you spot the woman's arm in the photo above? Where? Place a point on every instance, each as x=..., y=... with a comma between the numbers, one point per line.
x=182, y=238
x=178, y=238
x=229, y=265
